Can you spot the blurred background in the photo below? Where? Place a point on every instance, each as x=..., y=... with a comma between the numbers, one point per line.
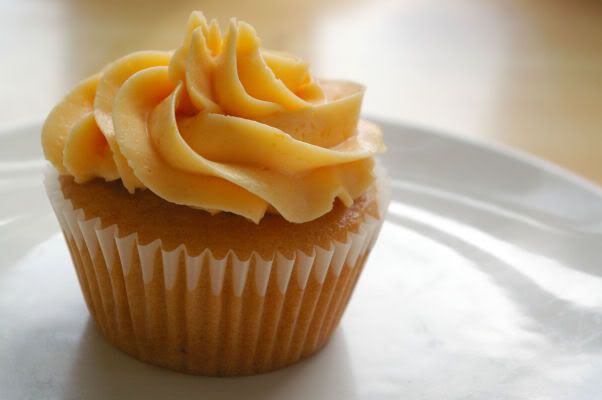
x=527, y=73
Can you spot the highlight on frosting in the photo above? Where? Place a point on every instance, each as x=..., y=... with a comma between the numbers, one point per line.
x=219, y=124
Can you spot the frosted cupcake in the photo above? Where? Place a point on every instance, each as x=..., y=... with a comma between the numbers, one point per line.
x=218, y=201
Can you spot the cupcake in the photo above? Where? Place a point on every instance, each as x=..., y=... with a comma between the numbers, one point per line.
x=218, y=201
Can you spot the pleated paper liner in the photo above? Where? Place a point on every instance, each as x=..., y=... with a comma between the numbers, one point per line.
x=205, y=315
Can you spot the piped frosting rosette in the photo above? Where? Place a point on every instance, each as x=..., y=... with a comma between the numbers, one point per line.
x=219, y=124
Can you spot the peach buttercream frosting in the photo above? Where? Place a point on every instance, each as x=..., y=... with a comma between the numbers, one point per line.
x=219, y=124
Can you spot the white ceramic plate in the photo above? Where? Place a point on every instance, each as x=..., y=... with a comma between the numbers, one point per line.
x=486, y=283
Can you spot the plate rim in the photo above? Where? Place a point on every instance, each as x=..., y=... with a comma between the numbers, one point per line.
x=499, y=148
x=496, y=147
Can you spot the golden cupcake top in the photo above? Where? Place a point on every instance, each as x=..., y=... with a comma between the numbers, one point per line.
x=220, y=124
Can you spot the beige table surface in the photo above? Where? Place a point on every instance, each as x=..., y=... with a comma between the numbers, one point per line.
x=525, y=73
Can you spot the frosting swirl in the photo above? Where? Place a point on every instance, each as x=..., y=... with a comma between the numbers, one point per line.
x=219, y=124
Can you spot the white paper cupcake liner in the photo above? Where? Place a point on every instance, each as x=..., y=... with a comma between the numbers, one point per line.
x=207, y=315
